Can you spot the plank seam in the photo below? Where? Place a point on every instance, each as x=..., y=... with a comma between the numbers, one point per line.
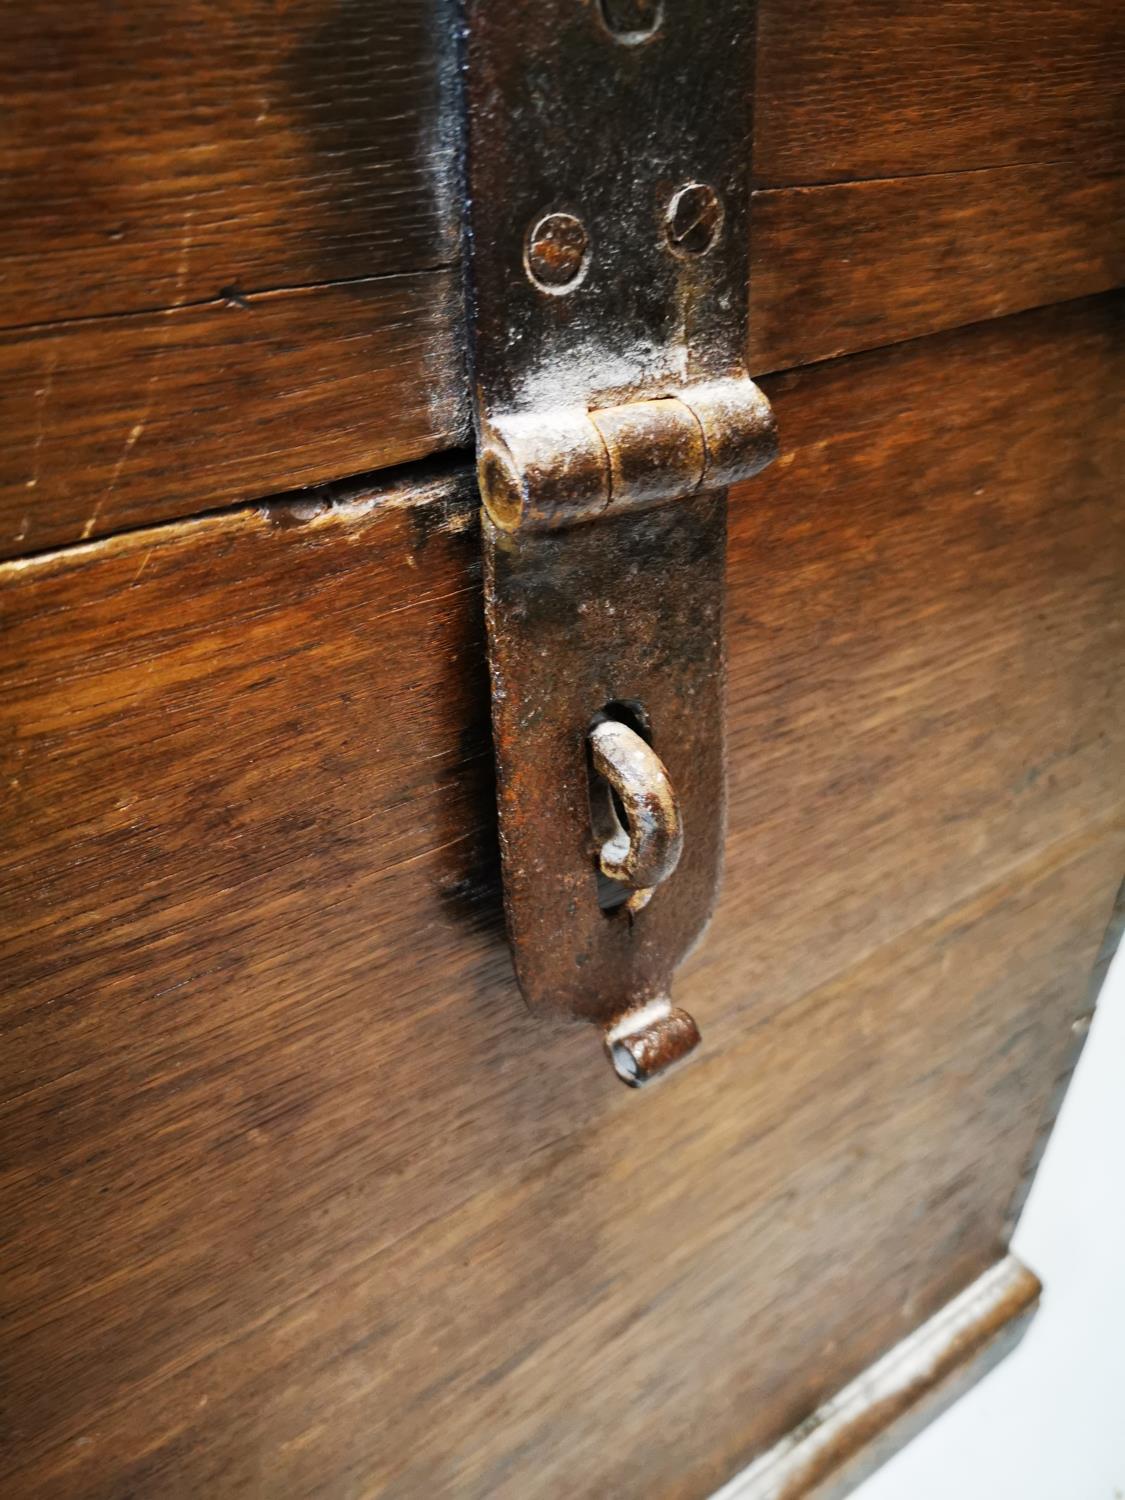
x=1109, y=292
x=229, y=296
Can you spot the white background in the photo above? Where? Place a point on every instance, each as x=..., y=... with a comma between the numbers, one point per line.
x=1049, y=1422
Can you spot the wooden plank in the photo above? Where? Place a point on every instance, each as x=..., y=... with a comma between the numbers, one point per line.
x=631, y=1310
x=928, y=502
x=195, y=157
x=188, y=157
x=123, y=421
x=153, y=154
x=875, y=90
x=299, y=1197
x=231, y=402
x=857, y=265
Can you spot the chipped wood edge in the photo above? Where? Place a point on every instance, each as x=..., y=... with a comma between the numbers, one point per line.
x=444, y=479
x=1079, y=1030
x=856, y=1431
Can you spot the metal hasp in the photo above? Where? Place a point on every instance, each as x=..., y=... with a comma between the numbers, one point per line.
x=607, y=230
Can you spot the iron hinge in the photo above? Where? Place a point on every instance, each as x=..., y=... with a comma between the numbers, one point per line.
x=607, y=230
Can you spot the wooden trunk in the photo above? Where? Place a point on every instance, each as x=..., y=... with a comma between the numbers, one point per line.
x=298, y=1199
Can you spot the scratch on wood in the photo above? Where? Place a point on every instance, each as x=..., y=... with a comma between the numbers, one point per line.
x=42, y=401
x=139, y=425
x=130, y=443
x=144, y=564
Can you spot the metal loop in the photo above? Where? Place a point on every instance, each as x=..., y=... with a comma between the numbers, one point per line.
x=646, y=850
x=646, y=1042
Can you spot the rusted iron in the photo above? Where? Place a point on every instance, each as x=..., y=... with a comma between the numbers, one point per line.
x=557, y=251
x=554, y=467
x=647, y=1041
x=632, y=21
x=695, y=216
x=607, y=238
x=641, y=847
x=580, y=620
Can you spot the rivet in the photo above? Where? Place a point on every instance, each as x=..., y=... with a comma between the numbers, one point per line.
x=693, y=219
x=557, y=252
x=632, y=21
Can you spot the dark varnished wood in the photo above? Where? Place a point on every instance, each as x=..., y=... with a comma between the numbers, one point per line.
x=350, y=1220
x=860, y=264
x=237, y=401
x=154, y=154
x=122, y=421
x=191, y=157
x=297, y=1198
x=861, y=533
x=485, y=1351
x=871, y=89
x=195, y=156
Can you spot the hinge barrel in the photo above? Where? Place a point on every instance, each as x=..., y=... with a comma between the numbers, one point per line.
x=558, y=467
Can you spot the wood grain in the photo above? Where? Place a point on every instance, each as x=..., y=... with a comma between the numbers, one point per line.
x=300, y=1200
x=857, y=265
x=871, y=89
x=153, y=154
x=123, y=421
x=632, y=1309
x=205, y=159
x=929, y=501
x=119, y=422
x=188, y=157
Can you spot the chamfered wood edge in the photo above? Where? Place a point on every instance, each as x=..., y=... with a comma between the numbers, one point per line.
x=855, y=1432
x=1079, y=1031
x=451, y=449
x=447, y=476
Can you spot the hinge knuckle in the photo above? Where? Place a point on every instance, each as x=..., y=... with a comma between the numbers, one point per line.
x=738, y=428
x=552, y=468
x=543, y=469
x=655, y=451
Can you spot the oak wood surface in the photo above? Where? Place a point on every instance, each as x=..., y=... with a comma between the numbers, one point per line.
x=201, y=156
x=302, y=1201
x=855, y=265
x=297, y=1198
x=123, y=421
x=878, y=89
x=154, y=154
x=117, y=422
x=633, y=1308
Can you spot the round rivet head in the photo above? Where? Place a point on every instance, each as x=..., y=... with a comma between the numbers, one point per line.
x=632, y=21
x=558, y=251
x=694, y=218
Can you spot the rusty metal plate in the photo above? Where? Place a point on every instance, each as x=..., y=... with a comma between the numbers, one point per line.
x=608, y=205
x=600, y=116
x=580, y=620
